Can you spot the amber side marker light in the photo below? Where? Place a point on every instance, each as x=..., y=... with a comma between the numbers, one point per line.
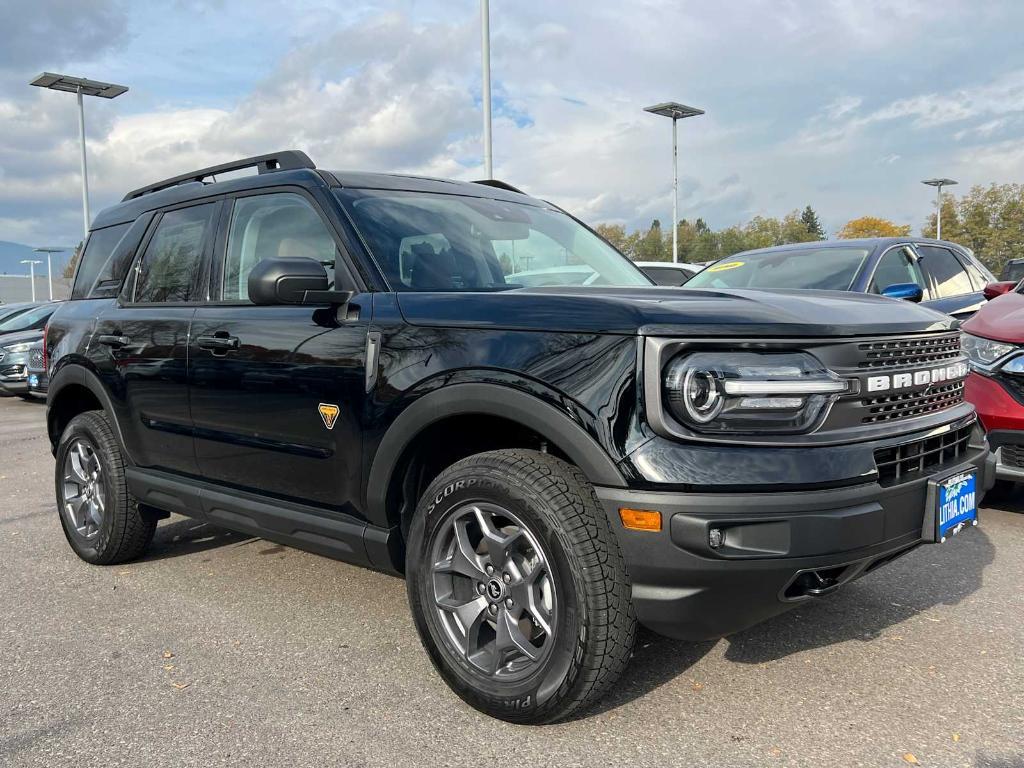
x=640, y=519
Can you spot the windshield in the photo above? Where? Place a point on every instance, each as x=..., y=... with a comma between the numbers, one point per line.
x=831, y=269
x=432, y=242
x=23, y=321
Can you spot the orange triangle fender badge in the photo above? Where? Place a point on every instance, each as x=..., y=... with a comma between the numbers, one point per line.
x=329, y=413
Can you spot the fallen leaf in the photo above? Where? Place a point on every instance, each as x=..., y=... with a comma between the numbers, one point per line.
x=956, y=737
x=183, y=686
x=168, y=667
x=168, y=655
x=909, y=757
x=775, y=752
x=698, y=686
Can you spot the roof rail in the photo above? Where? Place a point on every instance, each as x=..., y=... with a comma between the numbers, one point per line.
x=287, y=160
x=499, y=185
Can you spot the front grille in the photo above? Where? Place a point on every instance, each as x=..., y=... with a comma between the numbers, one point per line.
x=35, y=358
x=1014, y=384
x=908, y=404
x=1012, y=455
x=2, y=355
x=927, y=350
x=919, y=456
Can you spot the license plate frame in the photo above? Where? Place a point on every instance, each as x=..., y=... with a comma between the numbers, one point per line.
x=939, y=525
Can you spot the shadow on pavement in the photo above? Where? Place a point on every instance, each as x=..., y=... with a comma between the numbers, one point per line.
x=188, y=536
x=931, y=575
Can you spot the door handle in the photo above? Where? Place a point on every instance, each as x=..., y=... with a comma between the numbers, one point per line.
x=216, y=344
x=113, y=340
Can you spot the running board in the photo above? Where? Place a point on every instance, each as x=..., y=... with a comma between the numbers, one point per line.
x=324, y=532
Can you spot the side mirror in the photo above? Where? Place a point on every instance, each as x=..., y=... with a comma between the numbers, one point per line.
x=292, y=281
x=908, y=291
x=998, y=289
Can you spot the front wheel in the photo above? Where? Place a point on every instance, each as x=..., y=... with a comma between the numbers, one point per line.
x=517, y=586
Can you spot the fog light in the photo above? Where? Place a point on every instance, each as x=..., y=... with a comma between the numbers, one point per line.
x=640, y=519
x=715, y=538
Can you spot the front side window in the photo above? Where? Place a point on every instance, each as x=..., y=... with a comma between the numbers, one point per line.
x=435, y=242
x=830, y=269
x=945, y=269
x=896, y=266
x=279, y=225
x=173, y=267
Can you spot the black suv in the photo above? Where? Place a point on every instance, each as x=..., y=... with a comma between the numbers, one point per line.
x=465, y=385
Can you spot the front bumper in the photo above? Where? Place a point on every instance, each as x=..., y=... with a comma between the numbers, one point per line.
x=14, y=379
x=780, y=549
x=1003, y=417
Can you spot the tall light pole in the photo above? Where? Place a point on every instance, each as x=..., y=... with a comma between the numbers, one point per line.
x=81, y=87
x=485, y=55
x=938, y=184
x=32, y=273
x=677, y=112
x=49, y=265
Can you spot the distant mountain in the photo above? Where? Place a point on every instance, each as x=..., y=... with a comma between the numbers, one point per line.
x=11, y=255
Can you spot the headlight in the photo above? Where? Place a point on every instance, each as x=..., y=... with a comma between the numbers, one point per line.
x=984, y=352
x=15, y=348
x=749, y=392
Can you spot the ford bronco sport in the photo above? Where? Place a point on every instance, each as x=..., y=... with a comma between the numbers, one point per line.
x=465, y=385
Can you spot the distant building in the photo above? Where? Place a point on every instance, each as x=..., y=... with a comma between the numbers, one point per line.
x=15, y=288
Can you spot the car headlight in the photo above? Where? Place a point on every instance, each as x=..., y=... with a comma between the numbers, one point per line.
x=749, y=392
x=982, y=352
x=16, y=348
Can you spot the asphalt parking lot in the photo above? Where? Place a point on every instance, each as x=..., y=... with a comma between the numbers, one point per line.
x=223, y=650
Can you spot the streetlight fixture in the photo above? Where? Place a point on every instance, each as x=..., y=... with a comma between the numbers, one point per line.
x=32, y=273
x=49, y=265
x=938, y=184
x=82, y=87
x=485, y=55
x=677, y=112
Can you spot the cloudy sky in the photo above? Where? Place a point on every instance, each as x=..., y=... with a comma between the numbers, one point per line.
x=842, y=104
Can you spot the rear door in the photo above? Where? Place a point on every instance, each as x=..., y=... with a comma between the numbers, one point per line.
x=140, y=344
x=277, y=391
x=951, y=286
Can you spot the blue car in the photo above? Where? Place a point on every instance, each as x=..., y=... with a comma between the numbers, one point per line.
x=941, y=275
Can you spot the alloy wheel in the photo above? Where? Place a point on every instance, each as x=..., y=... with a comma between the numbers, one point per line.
x=84, y=494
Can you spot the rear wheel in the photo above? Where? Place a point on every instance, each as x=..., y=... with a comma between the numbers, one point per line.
x=517, y=586
x=100, y=517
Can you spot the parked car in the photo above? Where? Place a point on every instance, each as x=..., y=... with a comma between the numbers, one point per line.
x=337, y=361
x=994, y=343
x=10, y=310
x=1013, y=271
x=30, y=317
x=941, y=275
x=668, y=273
x=38, y=382
x=14, y=357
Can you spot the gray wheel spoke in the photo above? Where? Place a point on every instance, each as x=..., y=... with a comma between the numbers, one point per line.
x=462, y=560
x=509, y=637
x=470, y=616
x=498, y=543
x=77, y=465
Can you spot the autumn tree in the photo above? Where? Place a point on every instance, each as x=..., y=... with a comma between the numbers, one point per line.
x=872, y=226
x=72, y=265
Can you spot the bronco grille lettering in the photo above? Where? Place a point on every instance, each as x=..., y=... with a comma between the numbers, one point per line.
x=884, y=383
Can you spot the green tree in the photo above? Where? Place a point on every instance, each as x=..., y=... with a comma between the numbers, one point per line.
x=810, y=220
x=651, y=246
x=988, y=220
x=72, y=265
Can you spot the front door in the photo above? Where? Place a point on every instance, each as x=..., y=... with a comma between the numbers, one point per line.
x=277, y=391
x=140, y=344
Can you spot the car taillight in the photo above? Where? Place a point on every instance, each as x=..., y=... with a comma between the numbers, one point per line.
x=46, y=356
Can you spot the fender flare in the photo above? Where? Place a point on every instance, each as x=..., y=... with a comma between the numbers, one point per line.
x=490, y=400
x=72, y=374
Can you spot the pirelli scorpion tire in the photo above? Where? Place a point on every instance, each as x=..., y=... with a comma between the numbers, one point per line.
x=100, y=517
x=518, y=588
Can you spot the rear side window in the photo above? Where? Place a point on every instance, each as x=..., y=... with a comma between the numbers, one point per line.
x=977, y=274
x=98, y=250
x=949, y=274
x=173, y=268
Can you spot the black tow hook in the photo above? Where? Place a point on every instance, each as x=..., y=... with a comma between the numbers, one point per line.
x=813, y=584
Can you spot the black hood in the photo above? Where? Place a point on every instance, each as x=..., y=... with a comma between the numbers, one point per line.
x=673, y=311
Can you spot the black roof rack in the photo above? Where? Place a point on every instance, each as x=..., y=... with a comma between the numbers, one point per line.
x=287, y=160
x=499, y=185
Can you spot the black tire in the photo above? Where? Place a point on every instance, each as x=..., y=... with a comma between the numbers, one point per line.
x=124, y=532
x=592, y=625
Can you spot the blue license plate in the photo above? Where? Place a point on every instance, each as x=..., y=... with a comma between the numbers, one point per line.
x=958, y=506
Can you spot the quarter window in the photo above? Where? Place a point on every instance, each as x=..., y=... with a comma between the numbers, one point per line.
x=98, y=251
x=945, y=269
x=172, y=268
x=280, y=225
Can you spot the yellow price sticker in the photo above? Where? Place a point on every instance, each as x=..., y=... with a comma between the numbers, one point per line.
x=725, y=266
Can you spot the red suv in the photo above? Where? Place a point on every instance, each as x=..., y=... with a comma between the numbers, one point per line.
x=993, y=341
